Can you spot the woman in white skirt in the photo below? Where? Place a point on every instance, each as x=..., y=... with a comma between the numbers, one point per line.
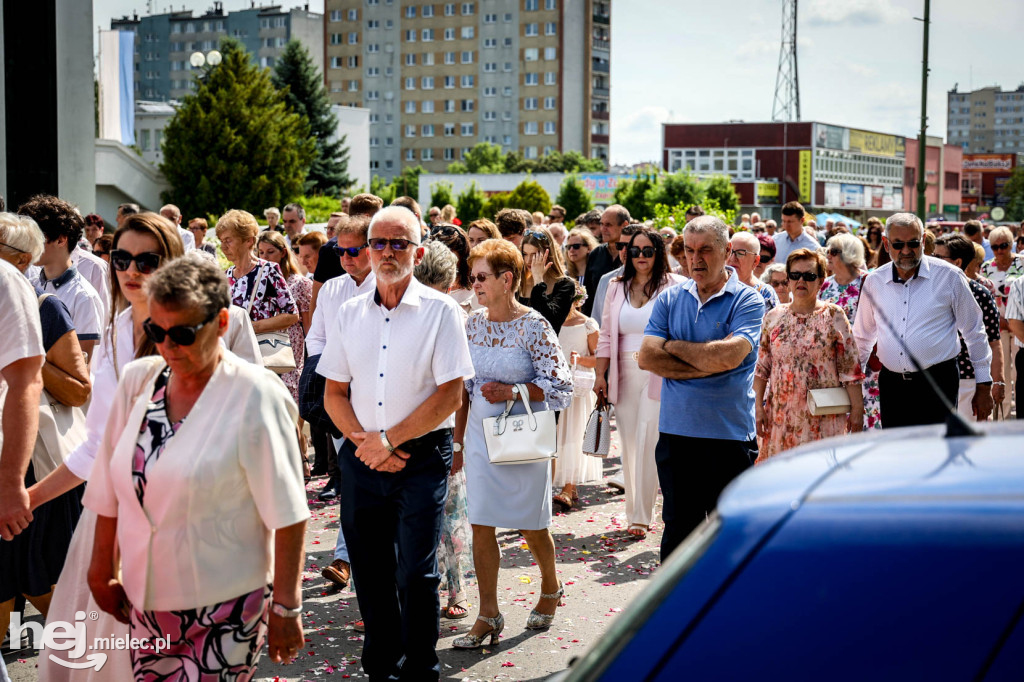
x=578, y=339
x=635, y=393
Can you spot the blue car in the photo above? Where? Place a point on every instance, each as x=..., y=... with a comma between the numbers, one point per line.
x=895, y=555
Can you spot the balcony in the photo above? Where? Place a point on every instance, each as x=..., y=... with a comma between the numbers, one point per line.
x=602, y=44
x=599, y=115
x=599, y=92
x=599, y=139
x=600, y=67
x=602, y=18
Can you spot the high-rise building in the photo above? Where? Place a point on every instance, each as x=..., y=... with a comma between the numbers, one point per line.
x=986, y=121
x=529, y=75
x=165, y=42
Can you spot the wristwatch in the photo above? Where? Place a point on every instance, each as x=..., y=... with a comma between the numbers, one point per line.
x=284, y=611
x=456, y=447
x=386, y=443
x=515, y=391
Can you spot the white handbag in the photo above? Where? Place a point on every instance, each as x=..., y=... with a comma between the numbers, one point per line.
x=583, y=379
x=275, y=347
x=823, y=401
x=521, y=438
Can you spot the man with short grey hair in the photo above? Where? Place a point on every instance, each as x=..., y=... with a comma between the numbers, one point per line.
x=294, y=219
x=744, y=256
x=702, y=338
x=913, y=308
x=173, y=213
x=606, y=256
x=392, y=390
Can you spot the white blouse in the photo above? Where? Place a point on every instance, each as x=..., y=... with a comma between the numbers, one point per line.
x=228, y=478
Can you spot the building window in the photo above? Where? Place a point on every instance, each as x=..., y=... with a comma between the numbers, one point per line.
x=427, y=154
x=490, y=18
x=410, y=83
x=506, y=140
x=449, y=82
x=449, y=34
x=490, y=116
x=490, y=91
x=468, y=105
x=468, y=32
x=410, y=107
x=530, y=152
x=353, y=15
x=530, y=128
x=467, y=9
x=549, y=127
x=374, y=141
x=550, y=78
x=549, y=103
x=530, y=5
x=449, y=129
x=428, y=11
x=550, y=5
x=410, y=131
x=336, y=62
x=372, y=95
x=490, y=43
x=490, y=67
x=372, y=72
x=507, y=91
x=449, y=153
x=410, y=36
x=373, y=24
x=428, y=35
x=449, y=9
x=336, y=39
x=427, y=107
x=551, y=28
x=531, y=30
x=467, y=57
x=353, y=62
x=531, y=54
x=530, y=103
x=508, y=67
x=410, y=154
x=466, y=129
x=507, y=42
x=410, y=12
x=353, y=86
x=428, y=59
x=410, y=59
x=469, y=81
x=449, y=58
x=427, y=130
x=427, y=82
x=531, y=79
x=353, y=38
x=550, y=53
x=373, y=47
x=335, y=15
x=506, y=116
x=449, y=106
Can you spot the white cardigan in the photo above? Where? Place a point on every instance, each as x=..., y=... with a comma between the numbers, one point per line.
x=226, y=480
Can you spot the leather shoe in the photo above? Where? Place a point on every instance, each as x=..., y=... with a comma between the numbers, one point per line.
x=330, y=490
x=338, y=572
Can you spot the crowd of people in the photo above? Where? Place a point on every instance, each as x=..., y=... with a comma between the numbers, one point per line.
x=420, y=355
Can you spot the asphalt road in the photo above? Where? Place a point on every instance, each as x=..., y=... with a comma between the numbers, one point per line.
x=601, y=566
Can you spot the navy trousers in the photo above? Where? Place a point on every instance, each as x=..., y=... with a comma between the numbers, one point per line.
x=392, y=524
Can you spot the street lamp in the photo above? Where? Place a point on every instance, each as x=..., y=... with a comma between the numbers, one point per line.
x=197, y=59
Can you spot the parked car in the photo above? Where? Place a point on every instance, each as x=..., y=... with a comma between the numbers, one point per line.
x=889, y=555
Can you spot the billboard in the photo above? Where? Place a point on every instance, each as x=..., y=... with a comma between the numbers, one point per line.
x=804, y=179
x=852, y=195
x=833, y=194
x=601, y=186
x=830, y=137
x=767, y=193
x=877, y=144
x=988, y=163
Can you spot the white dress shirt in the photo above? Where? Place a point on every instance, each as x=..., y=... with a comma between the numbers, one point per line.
x=19, y=319
x=333, y=294
x=394, y=360
x=97, y=273
x=187, y=239
x=924, y=313
x=81, y=300
x=1015, y=306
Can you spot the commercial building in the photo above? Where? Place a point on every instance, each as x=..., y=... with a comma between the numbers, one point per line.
x=983, y=179
x=529, y=75
x=164, y=43
x=986, y=121
x=943, y=164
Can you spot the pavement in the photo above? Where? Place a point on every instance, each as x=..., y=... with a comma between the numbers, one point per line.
x=603, y=569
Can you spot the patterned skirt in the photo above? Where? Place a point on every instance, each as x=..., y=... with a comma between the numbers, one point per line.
x=218, y=642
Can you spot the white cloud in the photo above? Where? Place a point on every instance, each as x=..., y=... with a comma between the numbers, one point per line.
x=637, y=136
x=862, y=70
x=853, y=13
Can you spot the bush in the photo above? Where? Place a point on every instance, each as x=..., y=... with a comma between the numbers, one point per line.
x=720, y=189
x=574, y=197
x=470, y=204
x=440, y=195
x=495, y=203
x=530, y=196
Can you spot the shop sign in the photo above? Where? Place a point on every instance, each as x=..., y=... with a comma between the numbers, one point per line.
x=876, y=144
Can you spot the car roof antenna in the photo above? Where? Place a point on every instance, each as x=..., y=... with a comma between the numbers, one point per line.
x=956, y=425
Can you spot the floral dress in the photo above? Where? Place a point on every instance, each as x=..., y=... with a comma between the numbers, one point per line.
x=221, y=641
x=301, y=289
x=1002, y=279
x=847, y=297
x=799, y=352
x=273, y=297
x=455, y=552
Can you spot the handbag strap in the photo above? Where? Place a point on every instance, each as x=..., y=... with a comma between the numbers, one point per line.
x=255, y=286
x=524, y=395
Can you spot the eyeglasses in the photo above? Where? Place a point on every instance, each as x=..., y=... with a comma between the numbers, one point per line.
x=99, y=252
x=1000, y=247
x=295, y=250
x=350, y=251
x=621, y=245
x=379, y=244
x=740, y=253
x=13, y=248
x=181, y=335
x=764, y=257
x=145, y=263
x=573, y=247
x=482, y=276
x=913, y=244
x=537, y=235
x=635, y=251
x=805, y=276
x=776, y=283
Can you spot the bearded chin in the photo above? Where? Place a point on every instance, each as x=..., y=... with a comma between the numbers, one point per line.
x=392, y=275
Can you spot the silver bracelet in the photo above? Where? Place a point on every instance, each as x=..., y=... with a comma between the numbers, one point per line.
x=998, y=383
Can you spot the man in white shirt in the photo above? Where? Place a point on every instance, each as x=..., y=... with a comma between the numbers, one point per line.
x=1015, y=321
x=294, y=219
x=402, y=350
x=95, y=271
x=63, y=227
x=913, y=307
x=793, y=236
x=173, y=213
x=21, y=362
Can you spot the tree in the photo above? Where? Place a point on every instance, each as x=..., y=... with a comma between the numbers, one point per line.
x=484, y=157
x=235, y=143
x=1013, y=192
x=677, y=188
x=307, y=95
x=441, y=194
x=530, y=196
x=720, y=189
x=408, y=183
x=384, y=190
x=574, y=197
x=495, y=203
x=470, y=204
x=632, y=194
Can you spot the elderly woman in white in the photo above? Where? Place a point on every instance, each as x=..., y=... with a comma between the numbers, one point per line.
x=212, y=551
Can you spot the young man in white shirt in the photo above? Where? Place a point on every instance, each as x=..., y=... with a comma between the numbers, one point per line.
x=402, y=350
x=63, y=227
x=793, y=236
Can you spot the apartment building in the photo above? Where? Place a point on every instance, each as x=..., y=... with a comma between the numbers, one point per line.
x=529, y=75
x=986, y=121
x=165, y=42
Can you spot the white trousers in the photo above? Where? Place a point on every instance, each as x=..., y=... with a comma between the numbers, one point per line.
x=636, y=416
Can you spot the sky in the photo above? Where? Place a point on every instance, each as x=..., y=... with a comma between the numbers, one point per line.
x=859, y=61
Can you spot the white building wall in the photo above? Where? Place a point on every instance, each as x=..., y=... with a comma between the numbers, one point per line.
x=354, y=123
x=308, y=29
x=575, y=88
x=76, y=178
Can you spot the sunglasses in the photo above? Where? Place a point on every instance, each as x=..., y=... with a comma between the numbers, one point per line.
x=764, y=257
x=740, y=253
x=1000, y=247
x=350, y=251
x=913, y=244
x=805, y=276
x=482, y=276
x=835, y=252
x=181, y=335
x=145, y=263
x=636, y=251
x=621, y=245
x=776, y=283
x=537, y=235
x=444, y=231
x=295, y=250
x=379, y=244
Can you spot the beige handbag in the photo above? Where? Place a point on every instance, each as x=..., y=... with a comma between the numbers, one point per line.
x=275, y=347
x=521, y=438
x=822, y=401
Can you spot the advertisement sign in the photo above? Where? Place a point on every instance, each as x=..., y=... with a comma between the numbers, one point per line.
x=853, y=195
x=601, y=186
x=830, y=137
x=833, y=194
x=897, y=199
x=876, y=144
x=888, y=203
x=876, y=196
x=805, y=176
x=988, y=163
x=767, y=192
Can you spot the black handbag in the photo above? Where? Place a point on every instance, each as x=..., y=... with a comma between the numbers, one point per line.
x=311, y=398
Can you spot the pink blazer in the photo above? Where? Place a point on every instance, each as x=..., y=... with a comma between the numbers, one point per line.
x=608, y=339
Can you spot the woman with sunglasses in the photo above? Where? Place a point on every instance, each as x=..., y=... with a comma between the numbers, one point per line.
x=578, y=245
x=805, y=345
x=455, y=238
x=272, y=248
x=635, y=393
x=1002, y=270
x=196, y=569
x=874, y=239
x=101, y=248
x=544, y=286
x=845, y=256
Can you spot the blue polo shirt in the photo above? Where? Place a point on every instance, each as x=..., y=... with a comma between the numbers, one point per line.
x=719, y=406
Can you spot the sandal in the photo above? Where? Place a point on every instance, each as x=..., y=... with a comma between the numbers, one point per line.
x=307, y=475
x=562, y=499
x=637, y=530
x=450, y=612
